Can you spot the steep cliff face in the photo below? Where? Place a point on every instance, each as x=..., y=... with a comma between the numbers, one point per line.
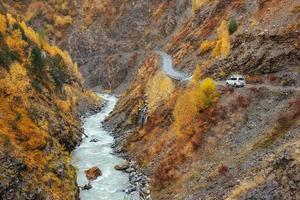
x=42, y=98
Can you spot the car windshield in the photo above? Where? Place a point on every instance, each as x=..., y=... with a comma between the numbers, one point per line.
x=241, y=79
x=233, y=79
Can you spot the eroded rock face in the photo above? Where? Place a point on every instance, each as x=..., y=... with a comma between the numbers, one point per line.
x=93, y=173
x=261, y=54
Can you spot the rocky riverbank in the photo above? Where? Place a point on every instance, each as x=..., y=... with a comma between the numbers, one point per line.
x=139, y=182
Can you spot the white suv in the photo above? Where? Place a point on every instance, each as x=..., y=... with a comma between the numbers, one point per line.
x=236, y=81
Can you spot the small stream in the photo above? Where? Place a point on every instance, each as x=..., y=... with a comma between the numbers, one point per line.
x=89, y=154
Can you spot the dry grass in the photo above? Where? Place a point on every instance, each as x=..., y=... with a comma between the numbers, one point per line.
x=284, y=122
x=244, y=187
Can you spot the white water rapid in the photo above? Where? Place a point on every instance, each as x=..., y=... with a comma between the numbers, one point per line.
x=89, y=154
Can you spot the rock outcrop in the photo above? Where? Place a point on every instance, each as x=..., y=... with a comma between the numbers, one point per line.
x=93, y=173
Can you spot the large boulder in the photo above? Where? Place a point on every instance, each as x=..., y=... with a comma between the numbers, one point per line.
x=93, y=173
x=122, y=166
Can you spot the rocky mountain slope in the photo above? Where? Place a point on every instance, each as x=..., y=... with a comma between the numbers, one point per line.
x=242, y=144
x=195, y=139
x=42, y=98
x=111, y=41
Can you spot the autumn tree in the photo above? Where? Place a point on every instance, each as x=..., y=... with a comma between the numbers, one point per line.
x=222, y=47
x=158, y=89
x=16, y=43
x=196, y=98
x=3, y=24
x=18, y=82
x=31, y=34
x=207, y=92
x=185, y=110
x=207, y=45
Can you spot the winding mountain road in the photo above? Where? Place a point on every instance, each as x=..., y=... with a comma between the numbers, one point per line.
x=168, y=69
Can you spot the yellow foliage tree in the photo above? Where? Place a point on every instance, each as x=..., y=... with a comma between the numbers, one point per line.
x=18, y=82
x=207, y=45
x=16, y=43
x=185, y=110
x=158, y=89
x=3, y=23
x=194, y=99
x=31, y=34
x=207, y=93
x=222, y=47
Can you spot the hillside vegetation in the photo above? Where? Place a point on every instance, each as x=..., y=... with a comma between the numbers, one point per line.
x=42, y=98
x=50, y=18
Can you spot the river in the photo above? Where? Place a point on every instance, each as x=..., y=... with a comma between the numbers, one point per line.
x=89, y=154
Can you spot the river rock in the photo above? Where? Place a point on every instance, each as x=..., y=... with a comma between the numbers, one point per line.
x=87, y=186
x=122, y=166
x=130, y=189
x=130, y=169
x=94, y=140
x=93, y=173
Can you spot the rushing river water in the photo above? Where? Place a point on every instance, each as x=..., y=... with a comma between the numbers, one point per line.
x=90, y=154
